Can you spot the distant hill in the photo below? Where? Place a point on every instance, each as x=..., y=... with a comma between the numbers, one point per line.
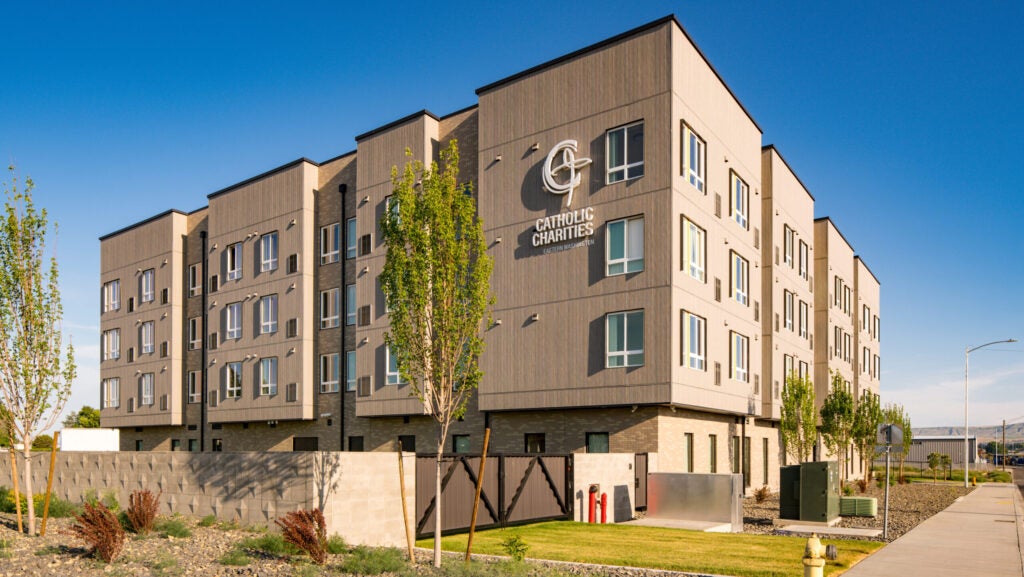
x=1014, y=432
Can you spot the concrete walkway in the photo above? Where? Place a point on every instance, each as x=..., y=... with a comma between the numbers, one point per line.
x=979, y=534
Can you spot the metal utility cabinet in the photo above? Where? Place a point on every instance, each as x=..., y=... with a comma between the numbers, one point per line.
x=809, y=491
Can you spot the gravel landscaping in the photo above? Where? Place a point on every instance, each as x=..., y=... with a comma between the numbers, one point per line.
x=209, y=549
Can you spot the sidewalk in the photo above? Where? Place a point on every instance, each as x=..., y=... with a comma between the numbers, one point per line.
x=980, y=534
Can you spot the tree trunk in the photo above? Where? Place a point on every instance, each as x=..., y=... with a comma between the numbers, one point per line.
x=27, y=451
x=437, y=513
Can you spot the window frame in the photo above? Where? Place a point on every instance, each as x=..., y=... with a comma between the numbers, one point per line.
x=269, y=262
x=739, y=353
x=788, y=240
x=787, y=309
x=234, y=261
x=195, y=281
x=629, y=223
x=233, y=321
x=696, y=361
x=328, y=321
x=147, y=286
x=350, y=371
x=392, y=377
x=111, y=393
x=351, y=238
x=147, y=389
x=111, y=344
x=195, y=333
x=147, y=338
x=739, y=272
x=739, y=200
x=626, y=354
x=112, y=295
x=330, y=243
x=803, y=258
x=626, y=169
x=804, y=314
x=696, y=176
x=268, y=376
x=233, y=380
x=195, y=389
x=350, y=304
x=268, y=314
x=330, y=363
x=694, y=270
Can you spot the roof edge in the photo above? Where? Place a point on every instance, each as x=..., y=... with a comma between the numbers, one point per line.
x=262, y=176
x=460, y=111
x=143, y=222
x=338, y=157
x=791, y=171
x=867, y=268
x=399, y=122
x=841, y=235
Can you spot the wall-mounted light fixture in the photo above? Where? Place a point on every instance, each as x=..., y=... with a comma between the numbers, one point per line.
x=536, y=146
x=535, y=317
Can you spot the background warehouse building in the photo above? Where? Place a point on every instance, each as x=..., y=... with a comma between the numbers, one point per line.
x=660, y=315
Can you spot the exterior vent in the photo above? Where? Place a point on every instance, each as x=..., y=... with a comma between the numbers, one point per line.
x=214, y=339
x=131, y=405
x=131, y=354
x=163, y=349
x=163, y=402
x=293, y=263
x=776, y=256
x=163, y=297
x=776, y=390
x=718, y=374
x=131, y=304
x=776, y=322
x=718, y=289
x=364, y=386
x=214, y=283
x=757, y=384
x=757, y=311
x=718, y=205
x=213, y=398
x=811, y=335
x=291, y=393
x=365, y=245
x=810, y=284
x=757, y=237
x=291, y=329
x=364, y=315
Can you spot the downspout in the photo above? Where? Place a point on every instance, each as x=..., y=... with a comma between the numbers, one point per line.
x=206, y=331
x=343, y=390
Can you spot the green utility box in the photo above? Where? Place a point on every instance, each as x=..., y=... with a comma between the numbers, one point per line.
x=809, y=491
x=858, y=506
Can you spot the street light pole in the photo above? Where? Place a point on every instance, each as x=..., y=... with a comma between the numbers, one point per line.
x=967, y=364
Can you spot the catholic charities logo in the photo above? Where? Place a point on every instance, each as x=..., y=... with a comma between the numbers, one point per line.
x=561, y=175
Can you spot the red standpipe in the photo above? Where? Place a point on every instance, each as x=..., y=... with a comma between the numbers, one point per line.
x=593, y=505
x=604, y=508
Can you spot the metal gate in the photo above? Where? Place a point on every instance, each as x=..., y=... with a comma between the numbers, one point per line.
x=516, y=489
x=640, y=481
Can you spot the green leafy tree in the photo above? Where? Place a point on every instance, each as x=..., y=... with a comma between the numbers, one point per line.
x=84, y=418
x=866, y=419
x=42, y=443
x=896, y=415
x=36, y=369
x=837, y=420
x=934, y=462
x=947, y=467
x=799, y=423
x=436, y=282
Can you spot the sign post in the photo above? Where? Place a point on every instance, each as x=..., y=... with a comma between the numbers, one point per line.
x=889, y=438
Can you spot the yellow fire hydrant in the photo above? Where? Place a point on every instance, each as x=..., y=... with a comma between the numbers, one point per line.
x=814, y=557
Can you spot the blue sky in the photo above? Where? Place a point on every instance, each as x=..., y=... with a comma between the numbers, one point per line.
x=902, y=118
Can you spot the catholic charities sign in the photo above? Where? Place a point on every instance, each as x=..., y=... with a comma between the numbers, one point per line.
x=561, y=175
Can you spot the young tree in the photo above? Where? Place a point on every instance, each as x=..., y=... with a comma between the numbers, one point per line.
x=85, y=418
x=947, y=467
x=436, y=282
x=799, y=423
x=35, y=368
x=934, y=462
x=896, y=415
x=837, y=413
x=866, y=418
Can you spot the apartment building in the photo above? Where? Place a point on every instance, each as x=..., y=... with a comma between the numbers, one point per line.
x=653, y=281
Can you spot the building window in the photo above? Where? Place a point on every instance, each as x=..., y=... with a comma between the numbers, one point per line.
x=394, y=377
x=846, y=347
x=233, y=381
x=764, y=460
x=713, y=452
x=787, y=366
x=597, y=443
x=195, y=331
x=217, y=445
x=740, y=356
x=740, y=199
x=268, y=314
x=694, y=161
x=803, y=260
x=234, y=320
x=235, y=261
x=804, y=370
x=878, y=367
x=533, y=443
x=146, y=388
x=460, y=443
x=195, y=280
x=350, y=304
x=735, y=455
x=740, y=278
x=193, y=445
x=837, y=336
x=147, y=337
x=355, y=444
x=804, y=314
x=330, y=305
x=268, y=252
x=838, y=290
x=688, y=452
x=111, y=393
x=330, y=243
x=865, y=360
x=694, y=342
x=329, y=373
x=195, y=393
x=846, y=300
x=111, y=344
x=624, y=335
x=350, y=238
x=350, y=371
x=112, y=296
x=625, y=246
x=268, y=376
x=787, y=245
x=787, y=309
x=625, y=152
x=147, y=289
x=865, y=315
x=407, y=443
x=694, y=250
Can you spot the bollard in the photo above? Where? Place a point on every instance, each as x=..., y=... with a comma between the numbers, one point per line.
x=604, y=508
x=814, y=564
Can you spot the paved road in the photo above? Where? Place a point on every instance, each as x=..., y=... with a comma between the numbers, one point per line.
x=979, y=534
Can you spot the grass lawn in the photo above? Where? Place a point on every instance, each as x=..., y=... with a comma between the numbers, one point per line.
x=674, y=549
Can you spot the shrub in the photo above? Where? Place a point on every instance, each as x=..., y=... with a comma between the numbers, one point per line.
x=208, y=521
x=7, y=502
x=307, y=530
x=762, y=494
x=61, y=508
x=98, y=527
x=143, y=506
x=847, y=490
x=374, y=561
x=336, y=545
x=862, y=485
x=174, y=528
x=48, y=550
x=515, y=547
x=165, y=564
x=227, y=525
x=4, y=553
x=271, y=544
x=235, y=557
x=109, y=499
